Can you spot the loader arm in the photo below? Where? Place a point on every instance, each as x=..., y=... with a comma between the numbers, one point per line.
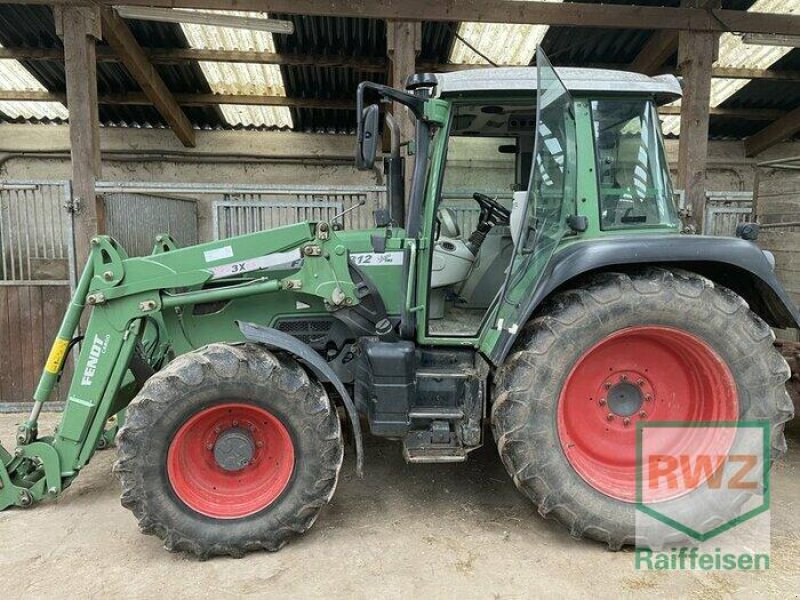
x=129, y=296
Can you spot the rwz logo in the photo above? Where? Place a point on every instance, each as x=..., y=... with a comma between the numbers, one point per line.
x=99, y=347
x=688, y=472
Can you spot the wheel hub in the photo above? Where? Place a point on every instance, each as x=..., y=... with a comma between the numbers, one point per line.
x=625, y=399
x=234, y=449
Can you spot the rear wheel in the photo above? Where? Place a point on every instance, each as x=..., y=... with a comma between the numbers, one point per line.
x=656, y=345
x=229, y=449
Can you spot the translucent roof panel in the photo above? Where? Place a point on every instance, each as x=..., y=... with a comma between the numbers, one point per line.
x=733, y=52
x=15, y=77
x=503, y=44
x=241, y=78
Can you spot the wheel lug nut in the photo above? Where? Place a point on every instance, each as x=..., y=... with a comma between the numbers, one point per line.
x=626, y=421
x=610, y=417
x=602, y=402
x=236, y=423
x=209, y=446
x=217, y=430
x=623, y=377
x=640, y=383
x=648, y=397
x=643, y=415
x=259, y=444
x=608, y=385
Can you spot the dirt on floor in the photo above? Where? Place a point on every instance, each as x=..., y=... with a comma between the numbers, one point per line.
x=450, y=530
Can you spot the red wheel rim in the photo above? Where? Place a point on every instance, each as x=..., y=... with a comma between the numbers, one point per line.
x=679, y=378
x=230, y=460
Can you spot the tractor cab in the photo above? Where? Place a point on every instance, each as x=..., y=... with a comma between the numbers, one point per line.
x=512, y=164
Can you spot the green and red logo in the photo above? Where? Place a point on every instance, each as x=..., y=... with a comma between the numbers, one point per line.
x=698, y=481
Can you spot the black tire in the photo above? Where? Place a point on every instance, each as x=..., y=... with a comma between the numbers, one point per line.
x=213, y=375
x=528, y=386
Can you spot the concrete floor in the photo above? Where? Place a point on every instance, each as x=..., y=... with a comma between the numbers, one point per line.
x=404, y=531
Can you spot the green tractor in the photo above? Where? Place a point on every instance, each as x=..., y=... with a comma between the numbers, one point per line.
x=534, y=278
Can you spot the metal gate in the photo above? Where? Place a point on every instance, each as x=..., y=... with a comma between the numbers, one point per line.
x=725, y=211
x=263, y=207
x=224, y=209
x=236, y=217
x=134, y=219
x=37, y=263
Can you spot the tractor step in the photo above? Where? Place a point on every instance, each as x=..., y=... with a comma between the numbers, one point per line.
x=446, y=414
x=437, y=444
x=434, y=455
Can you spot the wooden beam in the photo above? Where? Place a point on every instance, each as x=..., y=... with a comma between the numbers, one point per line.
x=747, y=114
x=175, y=56
x=122, y=41
x=403, y=44
x=657, y=50
x=741, y=73
x=696, y=52
x=662, y=45
x=572, y=14
x=774, y=133
x=138, y=98
x=79, y=27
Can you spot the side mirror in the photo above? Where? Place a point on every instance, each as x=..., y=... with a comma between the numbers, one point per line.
x=367, y=138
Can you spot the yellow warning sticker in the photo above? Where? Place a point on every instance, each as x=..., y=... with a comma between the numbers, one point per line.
x=56, y=357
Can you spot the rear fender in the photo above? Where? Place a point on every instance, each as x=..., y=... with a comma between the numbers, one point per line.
x=736, y=264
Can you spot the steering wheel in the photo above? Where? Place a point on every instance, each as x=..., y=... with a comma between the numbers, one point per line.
x=494, y=212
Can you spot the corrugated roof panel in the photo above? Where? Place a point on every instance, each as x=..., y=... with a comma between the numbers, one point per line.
x=241, y=78
x=339, y=36
x=671, y=124
x=502, y=43
x=15, y=77
x=256, y=116
x=733, y=52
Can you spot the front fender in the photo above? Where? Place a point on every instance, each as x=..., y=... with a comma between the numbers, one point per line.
x=272, y=338
x=734, y=263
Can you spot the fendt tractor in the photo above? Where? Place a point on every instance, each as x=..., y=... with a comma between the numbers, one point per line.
x=536, y=280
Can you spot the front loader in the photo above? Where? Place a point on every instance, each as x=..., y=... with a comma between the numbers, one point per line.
x=534, y=278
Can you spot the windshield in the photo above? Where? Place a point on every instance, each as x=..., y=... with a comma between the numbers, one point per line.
x=540, y=223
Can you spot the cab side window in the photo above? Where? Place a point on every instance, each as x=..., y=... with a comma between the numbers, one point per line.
x=632, y=173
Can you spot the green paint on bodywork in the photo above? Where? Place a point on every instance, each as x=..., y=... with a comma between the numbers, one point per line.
x=179, y=299
x=151, y=301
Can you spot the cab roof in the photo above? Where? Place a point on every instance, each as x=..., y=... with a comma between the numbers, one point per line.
x=577, y=80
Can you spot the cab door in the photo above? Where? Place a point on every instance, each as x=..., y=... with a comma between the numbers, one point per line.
x=540, y=223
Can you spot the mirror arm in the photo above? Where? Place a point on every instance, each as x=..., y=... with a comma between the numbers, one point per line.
x=394, y=129
x=414, y=103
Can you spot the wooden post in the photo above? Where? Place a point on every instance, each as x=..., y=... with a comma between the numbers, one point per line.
x=403, y=43
x=696, y=54
x=122, y=40
x=79, y=27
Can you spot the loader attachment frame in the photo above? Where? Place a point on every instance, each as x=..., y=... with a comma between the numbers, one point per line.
x=128, y=296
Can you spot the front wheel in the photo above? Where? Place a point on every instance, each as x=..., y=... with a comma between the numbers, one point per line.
x=229, y=449
x=653, y=346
